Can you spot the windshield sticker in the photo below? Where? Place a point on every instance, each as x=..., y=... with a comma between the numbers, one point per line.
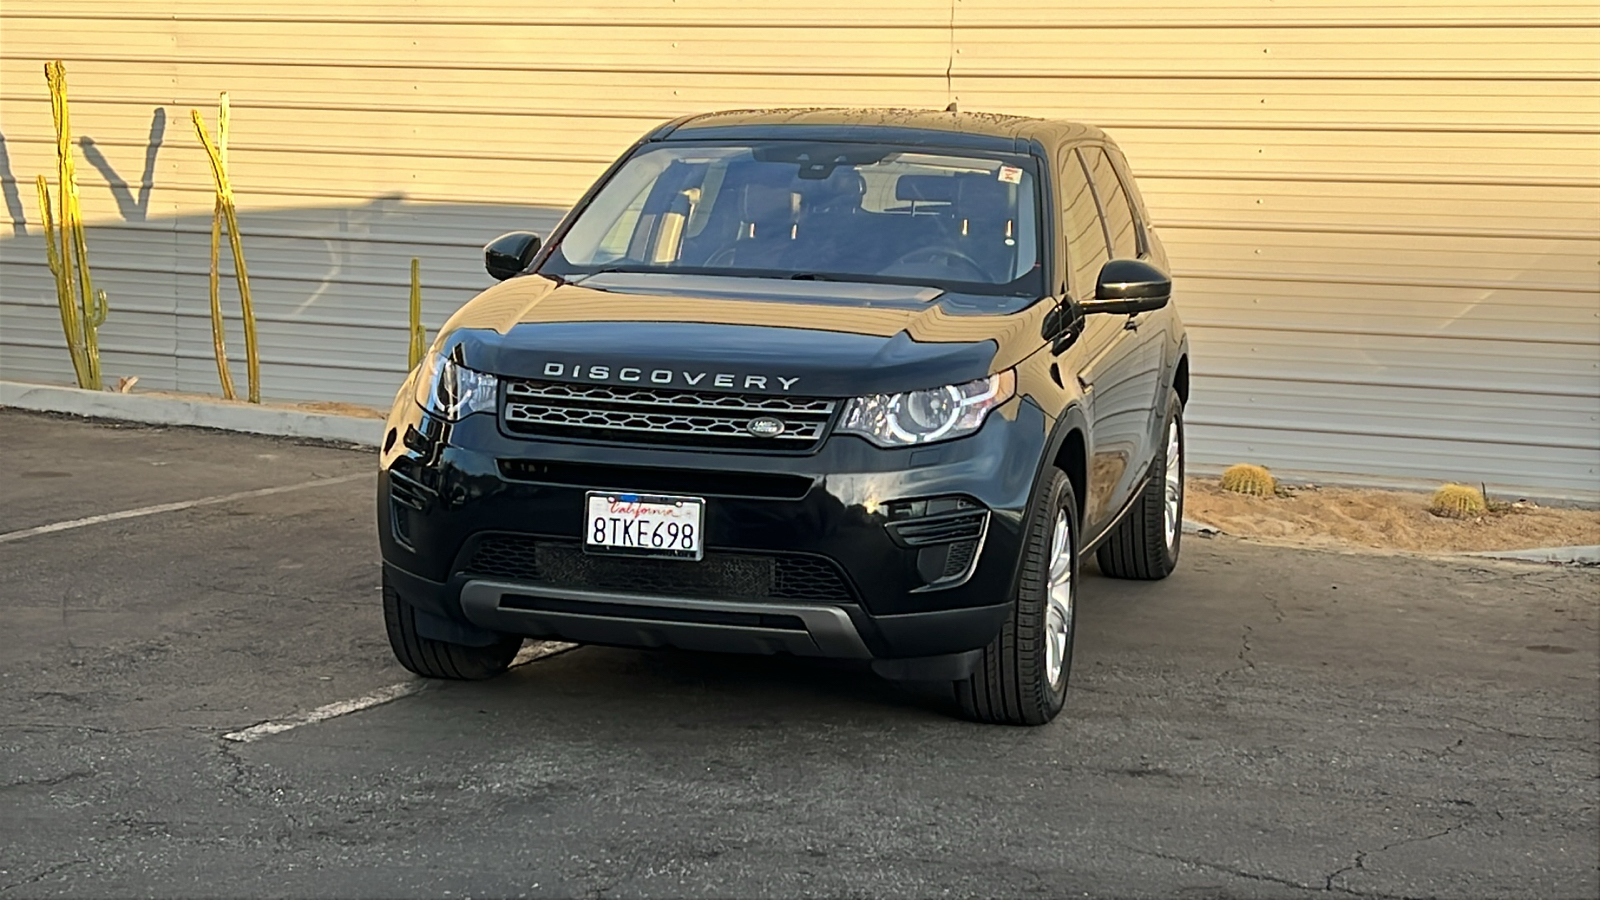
x=1010, y=174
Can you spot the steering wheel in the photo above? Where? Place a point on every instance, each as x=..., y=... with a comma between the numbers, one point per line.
x=948, y=257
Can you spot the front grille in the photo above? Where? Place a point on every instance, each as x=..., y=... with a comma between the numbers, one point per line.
x=646, y=415
x=719, y=576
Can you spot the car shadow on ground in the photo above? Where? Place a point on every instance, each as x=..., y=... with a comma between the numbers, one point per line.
x=633, y=682
x=637, y=684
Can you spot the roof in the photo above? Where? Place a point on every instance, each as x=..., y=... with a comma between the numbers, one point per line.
x=977, y=130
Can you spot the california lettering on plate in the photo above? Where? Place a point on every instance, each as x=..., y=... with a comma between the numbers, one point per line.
x=644, y=525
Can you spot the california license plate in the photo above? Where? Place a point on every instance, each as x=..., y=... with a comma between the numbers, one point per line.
x=644, y=525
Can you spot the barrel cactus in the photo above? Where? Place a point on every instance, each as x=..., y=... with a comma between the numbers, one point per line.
x=1458, y=501
x=1247, y=479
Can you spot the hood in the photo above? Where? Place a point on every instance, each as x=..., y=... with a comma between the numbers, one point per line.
x=752, y=335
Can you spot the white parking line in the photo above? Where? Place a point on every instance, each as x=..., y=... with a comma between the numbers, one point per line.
x=376, y=698
x=321, y=713
x=173, y=507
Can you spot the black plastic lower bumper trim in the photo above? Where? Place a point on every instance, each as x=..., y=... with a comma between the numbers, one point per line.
x=473, y=610
x=642, y=621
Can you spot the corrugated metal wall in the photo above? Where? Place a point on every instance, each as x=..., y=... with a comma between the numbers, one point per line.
x=1385, y=215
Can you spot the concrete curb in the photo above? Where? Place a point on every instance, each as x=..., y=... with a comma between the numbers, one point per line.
x=220, y=414
x=1572, y=556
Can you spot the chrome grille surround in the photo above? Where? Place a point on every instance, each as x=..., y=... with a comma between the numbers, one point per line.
x=646, y=415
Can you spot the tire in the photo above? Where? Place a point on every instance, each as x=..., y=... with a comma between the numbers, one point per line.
x=439, y=659
x=1145, y=545
x=1013, y=683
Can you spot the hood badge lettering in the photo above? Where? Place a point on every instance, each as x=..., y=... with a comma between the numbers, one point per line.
x=634, y=374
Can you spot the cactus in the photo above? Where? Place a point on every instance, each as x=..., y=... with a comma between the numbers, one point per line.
x=83, y=309
x=419, y=335
x=219, y=347
x=1247, y=479
x=230, y=217
x=1458, y=501
x=94, y=315
x=65, y=298
x=97, y=313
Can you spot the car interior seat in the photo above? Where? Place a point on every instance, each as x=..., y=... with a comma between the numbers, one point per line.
x=768, y=221
x=985, y=223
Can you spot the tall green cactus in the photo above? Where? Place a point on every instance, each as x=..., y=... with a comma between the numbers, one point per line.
x=65, y=297
x=219, y=347
x=70, y=257
x=230, y=217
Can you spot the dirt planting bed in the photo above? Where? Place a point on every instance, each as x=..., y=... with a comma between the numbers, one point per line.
x=1389, y=520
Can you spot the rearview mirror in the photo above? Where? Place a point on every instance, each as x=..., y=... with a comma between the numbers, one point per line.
x=1129, y=286
x=509, y=254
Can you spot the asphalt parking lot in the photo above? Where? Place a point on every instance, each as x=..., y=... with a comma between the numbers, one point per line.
x=1266, y=723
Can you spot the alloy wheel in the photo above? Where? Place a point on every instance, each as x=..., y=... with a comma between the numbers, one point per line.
x=1174, y=498
x=1058, y=615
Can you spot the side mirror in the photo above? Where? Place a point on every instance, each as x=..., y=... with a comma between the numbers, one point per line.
x=509, y=254
x=1129, y=286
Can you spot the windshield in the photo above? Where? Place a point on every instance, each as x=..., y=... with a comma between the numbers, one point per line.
x=785, y=209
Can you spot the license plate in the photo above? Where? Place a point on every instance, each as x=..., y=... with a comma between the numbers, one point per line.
x=644, y=525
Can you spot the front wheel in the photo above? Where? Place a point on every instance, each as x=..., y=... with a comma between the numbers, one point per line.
x=1022, y=678
x=440, y=659
x=1145, y=544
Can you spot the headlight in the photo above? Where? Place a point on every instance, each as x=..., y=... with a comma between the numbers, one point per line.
x=447, y=388
x=921, y=417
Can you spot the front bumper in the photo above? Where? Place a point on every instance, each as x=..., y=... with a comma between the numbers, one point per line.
x=805, y=553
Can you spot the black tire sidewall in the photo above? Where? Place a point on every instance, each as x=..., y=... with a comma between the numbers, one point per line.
x=439, y=659
x=1008, y=686
x=1058, y=496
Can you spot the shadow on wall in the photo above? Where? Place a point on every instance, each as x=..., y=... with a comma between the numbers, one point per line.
x=13, y=195
x=330, y=282
x=132, y=208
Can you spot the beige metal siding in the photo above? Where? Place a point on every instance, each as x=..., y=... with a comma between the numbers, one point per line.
x=1384, y=215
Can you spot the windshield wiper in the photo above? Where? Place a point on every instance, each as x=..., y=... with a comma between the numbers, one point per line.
x=817, y=276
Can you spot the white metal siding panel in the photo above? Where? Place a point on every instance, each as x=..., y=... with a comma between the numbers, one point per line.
x=1385, y=216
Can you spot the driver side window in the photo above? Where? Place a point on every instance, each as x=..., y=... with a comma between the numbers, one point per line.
x=1086, y=238
x=1121, y=225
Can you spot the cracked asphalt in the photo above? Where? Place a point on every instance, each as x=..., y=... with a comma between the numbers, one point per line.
x=1266, y=723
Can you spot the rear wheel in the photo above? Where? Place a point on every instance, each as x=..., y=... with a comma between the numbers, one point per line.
x=1145, y=544
x=1022, y=677
x=440, y=659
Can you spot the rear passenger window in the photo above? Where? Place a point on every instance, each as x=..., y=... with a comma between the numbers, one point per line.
x=1121, y=225
x=1086, y=240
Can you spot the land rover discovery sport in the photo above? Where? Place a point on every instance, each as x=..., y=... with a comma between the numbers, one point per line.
x=862, y=384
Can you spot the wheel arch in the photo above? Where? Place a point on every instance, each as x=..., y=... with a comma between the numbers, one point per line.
x=1069, y=452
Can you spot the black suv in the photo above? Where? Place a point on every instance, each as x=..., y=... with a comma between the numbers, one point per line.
x=859, y=384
